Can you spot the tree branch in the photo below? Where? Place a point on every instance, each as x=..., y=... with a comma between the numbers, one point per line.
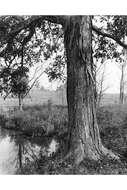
x=33, y=83
x=100, y=32
x=30, y=23
x=35, y=19
x=36, y=70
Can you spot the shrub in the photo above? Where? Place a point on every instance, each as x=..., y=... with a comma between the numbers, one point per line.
x=112, y=123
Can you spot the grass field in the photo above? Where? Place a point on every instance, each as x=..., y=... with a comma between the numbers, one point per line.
x=36, y=97
x=58, y=97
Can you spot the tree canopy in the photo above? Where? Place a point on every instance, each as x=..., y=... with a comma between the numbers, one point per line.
x=43, y=36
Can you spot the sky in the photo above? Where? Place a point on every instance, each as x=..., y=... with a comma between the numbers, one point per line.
x=112, y=77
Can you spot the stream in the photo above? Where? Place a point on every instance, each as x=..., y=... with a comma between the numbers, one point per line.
x=16, y=150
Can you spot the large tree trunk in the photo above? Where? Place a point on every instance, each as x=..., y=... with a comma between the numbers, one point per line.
x=84, y=137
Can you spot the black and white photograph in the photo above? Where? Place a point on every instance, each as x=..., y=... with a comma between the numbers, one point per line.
x=63, y=94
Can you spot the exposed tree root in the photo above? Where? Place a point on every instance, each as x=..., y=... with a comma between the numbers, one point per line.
x=104, y=154
x=92, y=154
x=109, y=154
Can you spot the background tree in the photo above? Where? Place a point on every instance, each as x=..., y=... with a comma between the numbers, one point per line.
x=14, y=82
x=16, y=62
x=122, y=66
x=100, y=79
x=19, y=84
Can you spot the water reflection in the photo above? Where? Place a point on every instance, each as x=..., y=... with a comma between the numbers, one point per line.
x=16, y=150
x=7, y=156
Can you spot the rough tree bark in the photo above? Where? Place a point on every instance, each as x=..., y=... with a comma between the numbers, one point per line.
x=84, y=137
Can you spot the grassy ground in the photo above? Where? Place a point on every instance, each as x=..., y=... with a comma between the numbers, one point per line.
x=52, y=120
x=37, y=120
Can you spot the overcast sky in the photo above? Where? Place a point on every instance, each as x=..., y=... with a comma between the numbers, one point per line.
x=112, y=77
